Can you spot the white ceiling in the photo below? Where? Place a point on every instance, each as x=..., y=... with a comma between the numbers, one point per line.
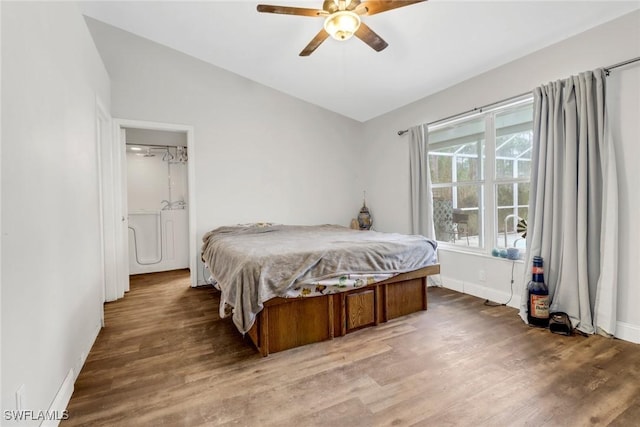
x=432, y=45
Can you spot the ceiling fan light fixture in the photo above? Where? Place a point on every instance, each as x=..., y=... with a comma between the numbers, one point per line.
x=342, y=25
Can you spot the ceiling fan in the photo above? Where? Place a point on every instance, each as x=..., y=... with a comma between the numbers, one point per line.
x=342, y=20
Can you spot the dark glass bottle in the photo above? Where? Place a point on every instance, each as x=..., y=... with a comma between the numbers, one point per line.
x=538, y=304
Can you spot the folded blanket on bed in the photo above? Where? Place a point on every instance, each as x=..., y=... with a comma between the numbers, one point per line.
x=253, y=264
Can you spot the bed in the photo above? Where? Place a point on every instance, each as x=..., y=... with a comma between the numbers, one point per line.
x=285, y=286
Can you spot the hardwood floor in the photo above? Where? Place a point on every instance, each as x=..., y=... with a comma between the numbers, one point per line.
x=165, y=358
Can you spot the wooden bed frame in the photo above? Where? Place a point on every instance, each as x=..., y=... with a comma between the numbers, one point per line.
x=286, y=323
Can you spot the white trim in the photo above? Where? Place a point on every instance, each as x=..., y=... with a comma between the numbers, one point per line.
x=103, y=140
x=61, y=400
x=489, y=199
x=63, y=396
x=87, y=349
x=191, y=180
x=628, y=332
x=453, y=284
x=493, y=295
x=122, y=246
x=478, y=252
x=482, y=291
x=487, y=182
x=108, y=191
x=624, y=331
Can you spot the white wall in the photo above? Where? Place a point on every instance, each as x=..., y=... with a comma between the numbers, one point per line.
x=260, y=155
x=387, y=154
x=51, y=255
x=623, y=88
x=1, y=207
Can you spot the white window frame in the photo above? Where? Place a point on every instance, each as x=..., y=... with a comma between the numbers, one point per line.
x=487, y=205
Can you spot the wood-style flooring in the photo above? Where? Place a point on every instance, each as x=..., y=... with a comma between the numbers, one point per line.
x=165, y=358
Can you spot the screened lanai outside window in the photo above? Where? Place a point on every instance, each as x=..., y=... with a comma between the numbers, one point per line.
x=514, y=136
x=480, y=170
x=456, y=162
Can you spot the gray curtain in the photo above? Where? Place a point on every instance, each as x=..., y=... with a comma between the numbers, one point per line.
x=573, y=222
x=420, y=185
x=421, y=196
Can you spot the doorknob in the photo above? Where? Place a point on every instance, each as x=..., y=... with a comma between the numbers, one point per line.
x=123, y=219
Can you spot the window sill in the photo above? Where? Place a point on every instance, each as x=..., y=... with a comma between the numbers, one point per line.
x=479, y=252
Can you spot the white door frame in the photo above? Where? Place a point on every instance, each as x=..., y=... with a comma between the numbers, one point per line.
x=122, y=235
x=106, y=214
x=120, y=192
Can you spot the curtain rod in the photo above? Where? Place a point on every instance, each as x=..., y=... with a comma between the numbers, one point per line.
x=607, y=71
x=621, y=64
x=473, y=110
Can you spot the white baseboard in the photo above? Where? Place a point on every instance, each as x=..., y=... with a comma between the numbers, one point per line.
x=624, y=331
x=63, y=396
x=453, y=284
x=87, y=349
x=60, y=402
x=628, y=332
x=482, y=291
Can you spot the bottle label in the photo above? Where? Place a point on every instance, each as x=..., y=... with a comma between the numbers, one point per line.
x=539, y=306
x=537, y=270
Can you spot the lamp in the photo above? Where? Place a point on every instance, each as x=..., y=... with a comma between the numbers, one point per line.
x=342, y=24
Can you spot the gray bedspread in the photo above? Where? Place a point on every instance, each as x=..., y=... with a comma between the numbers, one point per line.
x=253, y=264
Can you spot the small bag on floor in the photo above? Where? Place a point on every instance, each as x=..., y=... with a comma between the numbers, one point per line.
x=559, y=323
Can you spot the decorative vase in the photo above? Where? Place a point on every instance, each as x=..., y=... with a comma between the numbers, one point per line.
x=364, y=217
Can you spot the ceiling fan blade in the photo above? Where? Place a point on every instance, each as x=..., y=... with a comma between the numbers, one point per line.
x=313, y=44
x=368, y=36
x=286, y=10
x=354, y=4
x=373, y=7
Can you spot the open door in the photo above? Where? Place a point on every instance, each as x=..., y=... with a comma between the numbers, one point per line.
x=114, y=249
x=123, y=244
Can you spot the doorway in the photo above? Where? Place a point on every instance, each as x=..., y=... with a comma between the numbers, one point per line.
x=149, y=135
x=157, y=194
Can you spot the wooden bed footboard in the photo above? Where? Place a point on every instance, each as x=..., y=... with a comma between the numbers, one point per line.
x=286, y=323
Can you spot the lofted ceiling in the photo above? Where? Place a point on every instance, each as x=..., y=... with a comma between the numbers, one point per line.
x=432, y=45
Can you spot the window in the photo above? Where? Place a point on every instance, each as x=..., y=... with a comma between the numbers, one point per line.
x=514, y=136
x=480, y=170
